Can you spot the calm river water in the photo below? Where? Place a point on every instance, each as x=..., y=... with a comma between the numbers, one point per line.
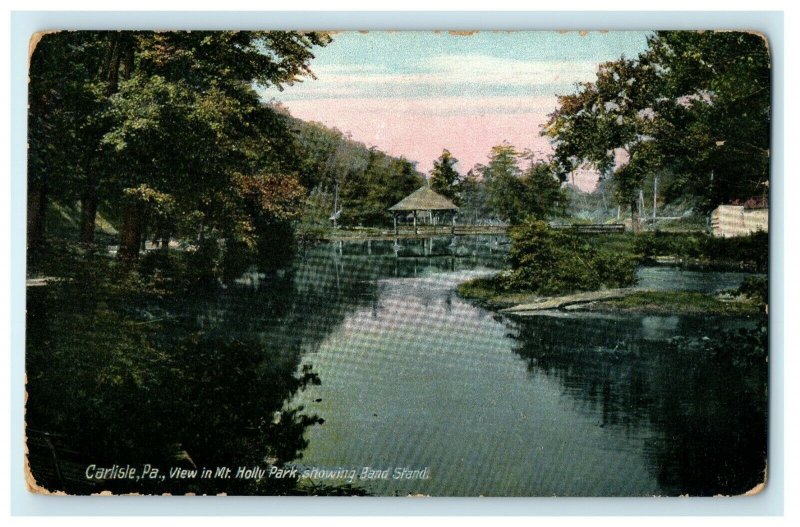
x=414, y=377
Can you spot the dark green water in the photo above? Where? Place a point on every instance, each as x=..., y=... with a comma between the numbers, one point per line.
x=410, y=376
x=586, y=405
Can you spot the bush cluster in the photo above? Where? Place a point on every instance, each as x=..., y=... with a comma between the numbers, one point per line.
x=755, y=287
x=750, y=252
x=553, y=262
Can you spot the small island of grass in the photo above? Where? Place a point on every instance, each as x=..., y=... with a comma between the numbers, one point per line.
x=556, y=270
x=680, y=302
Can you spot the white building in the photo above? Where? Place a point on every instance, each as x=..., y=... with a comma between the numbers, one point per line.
x=740, y=220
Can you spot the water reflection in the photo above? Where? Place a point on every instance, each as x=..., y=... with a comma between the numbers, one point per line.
x=598, y=405
x=672, y=278
x=699, y=416
x=120, y=375
x=409, y=375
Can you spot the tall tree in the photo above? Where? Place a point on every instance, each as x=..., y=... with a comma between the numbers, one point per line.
x=64, y=108
x=445, y=179
x=504, y=187
x=695, y=104
x=714, y=120
x=367, y=195
x=612, y=115
x=543, y=195
x=176, y=113
x=472, y=198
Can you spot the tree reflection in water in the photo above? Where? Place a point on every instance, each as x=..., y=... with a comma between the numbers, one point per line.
x=121, y=374
x=697, y=403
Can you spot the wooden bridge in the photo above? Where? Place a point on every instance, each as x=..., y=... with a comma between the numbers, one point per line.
x=465, y=230
x=593, y=228
x=425, y=230
x=457, y=230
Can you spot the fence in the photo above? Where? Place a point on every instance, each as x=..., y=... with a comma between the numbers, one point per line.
x=599, y=228
x=459, y=230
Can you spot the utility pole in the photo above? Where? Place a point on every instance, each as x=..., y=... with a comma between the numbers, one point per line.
x=641, y=205
x=655, y=194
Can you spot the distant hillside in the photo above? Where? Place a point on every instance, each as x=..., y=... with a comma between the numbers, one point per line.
x=368, y=180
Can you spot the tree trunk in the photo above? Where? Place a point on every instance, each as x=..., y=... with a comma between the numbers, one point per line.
x=88, y=214
x=131, y=234
x=635, y=216
x=37, y=211
x=145, y=219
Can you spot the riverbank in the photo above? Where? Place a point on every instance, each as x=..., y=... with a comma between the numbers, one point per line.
x=680, y=302
x=621, y=300
x=556, y=270
x=379, y=234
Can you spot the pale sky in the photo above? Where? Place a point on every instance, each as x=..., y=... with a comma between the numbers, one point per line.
x=413, y=94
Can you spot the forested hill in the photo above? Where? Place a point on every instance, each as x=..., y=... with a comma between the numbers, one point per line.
x=368, y=179
x=166, y=136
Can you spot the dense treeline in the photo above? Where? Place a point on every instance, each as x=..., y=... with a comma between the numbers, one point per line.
x=167, y=137
x=166, y=131
x=692, y=110
x=513, y=186
x=367, y=180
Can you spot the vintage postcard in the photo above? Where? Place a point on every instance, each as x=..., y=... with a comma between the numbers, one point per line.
x=433, y=263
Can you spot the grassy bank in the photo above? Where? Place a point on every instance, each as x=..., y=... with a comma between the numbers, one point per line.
x=680, y=303
x=488, y=292
x=547, y=263
x=484, y=292
x=749, y=253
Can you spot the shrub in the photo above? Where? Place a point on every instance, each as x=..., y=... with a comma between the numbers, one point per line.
x=751, y=252
x=651, y=244
x=552, y=262
x=755, y=287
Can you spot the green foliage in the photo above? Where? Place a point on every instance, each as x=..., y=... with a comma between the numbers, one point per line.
x=543, y=195
x=755, y=287
x=748, y=252
x=367, y=195
x=473, y=200
x=504, y=187
x=445, y=179
x=717, y=134
x=369, y=181
x=175, y=113
x=694, y=105
x=512, y=195
x=653, y=244
x=552, y=262
x=484, y=289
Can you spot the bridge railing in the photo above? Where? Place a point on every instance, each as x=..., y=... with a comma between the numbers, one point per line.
x=593, y=228
x=451, y=229
x=502, y=229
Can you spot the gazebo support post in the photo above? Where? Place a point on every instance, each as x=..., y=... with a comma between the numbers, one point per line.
x=395, y=223
x=415, y=223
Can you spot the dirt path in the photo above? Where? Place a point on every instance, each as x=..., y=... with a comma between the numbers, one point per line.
x=560, y=302
x=38, y=282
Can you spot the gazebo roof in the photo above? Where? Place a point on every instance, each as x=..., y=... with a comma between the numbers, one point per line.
x=423, y=199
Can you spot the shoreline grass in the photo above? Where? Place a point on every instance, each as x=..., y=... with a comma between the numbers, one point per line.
x=484, y=291
x=680, y=303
